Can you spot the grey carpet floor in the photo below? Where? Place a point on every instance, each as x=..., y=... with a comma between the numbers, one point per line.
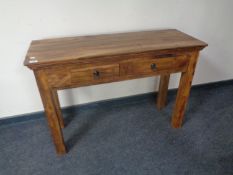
x=129, y=137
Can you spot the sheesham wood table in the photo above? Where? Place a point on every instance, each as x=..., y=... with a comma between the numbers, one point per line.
x=88, y=60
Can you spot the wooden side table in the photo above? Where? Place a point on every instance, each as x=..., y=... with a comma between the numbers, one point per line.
x=88, y=60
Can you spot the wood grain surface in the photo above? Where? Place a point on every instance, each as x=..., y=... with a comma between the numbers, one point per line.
x=89, y=60
x=68, y=49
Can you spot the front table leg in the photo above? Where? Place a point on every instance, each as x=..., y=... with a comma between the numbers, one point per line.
x=183, y=91
x=47, y=95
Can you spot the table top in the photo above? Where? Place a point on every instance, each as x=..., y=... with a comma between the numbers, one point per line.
x=60, y=50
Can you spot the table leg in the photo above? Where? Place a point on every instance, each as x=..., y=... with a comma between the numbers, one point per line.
x=46, y=93
x=184, y=91
x=162, y=93
x=58, y=108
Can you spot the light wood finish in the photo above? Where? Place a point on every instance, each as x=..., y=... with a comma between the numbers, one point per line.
x=162, y=93
x=184, y=91
x=88, y=60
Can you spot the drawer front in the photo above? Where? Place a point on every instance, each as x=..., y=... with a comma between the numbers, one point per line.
x=94, y=75
x=151, y=66
x=76, y=75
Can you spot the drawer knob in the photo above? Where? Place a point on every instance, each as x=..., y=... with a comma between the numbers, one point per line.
x=153, y=66
x=96, y=73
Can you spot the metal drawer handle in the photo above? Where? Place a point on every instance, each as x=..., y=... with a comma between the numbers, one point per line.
x=153, y=66
x=96, y=73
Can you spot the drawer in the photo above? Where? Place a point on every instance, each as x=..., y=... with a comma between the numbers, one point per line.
x=76, y=75
x=155, y=65
x=94, y=75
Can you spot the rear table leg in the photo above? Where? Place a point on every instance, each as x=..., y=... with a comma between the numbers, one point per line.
x=58, y=108
x=162, y=93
